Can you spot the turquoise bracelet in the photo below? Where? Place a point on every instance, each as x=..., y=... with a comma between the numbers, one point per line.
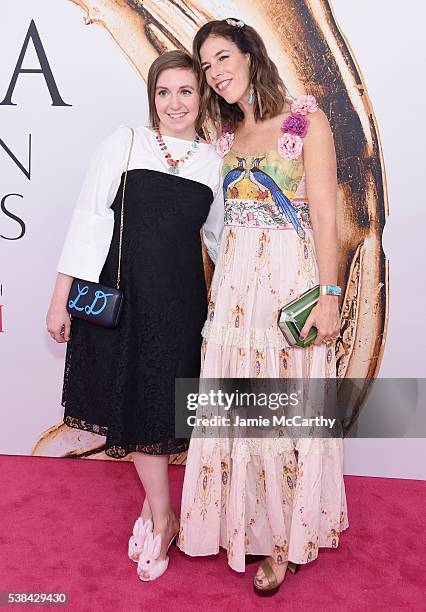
x=330, y=290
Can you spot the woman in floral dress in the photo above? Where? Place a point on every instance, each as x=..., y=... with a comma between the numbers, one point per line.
x=280, y=497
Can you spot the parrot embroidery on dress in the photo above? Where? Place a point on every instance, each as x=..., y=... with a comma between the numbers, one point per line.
x=234, y=176
x=265, y=182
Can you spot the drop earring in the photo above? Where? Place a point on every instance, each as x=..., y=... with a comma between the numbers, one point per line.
x=259, y=104
x=251, y=92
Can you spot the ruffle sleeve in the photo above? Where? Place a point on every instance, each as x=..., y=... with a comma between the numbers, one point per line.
x=90, y=231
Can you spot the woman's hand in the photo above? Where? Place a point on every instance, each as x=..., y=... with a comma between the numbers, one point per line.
x=57, y=319
x=326, y=318
x=58, y=323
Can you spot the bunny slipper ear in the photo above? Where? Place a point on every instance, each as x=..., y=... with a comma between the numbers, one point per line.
x=138, y=527
x=148, y=545
x=148, y=526
x=141, y=529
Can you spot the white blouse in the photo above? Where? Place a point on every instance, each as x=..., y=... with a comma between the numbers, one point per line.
x=90, y=232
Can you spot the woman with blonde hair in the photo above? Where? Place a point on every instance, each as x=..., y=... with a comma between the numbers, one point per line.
x=281, y=497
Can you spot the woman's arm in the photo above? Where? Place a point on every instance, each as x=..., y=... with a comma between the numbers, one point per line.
x=90, y=231
x=321, y=184
x=92, y=223
x=57, y=319
x=213, y=227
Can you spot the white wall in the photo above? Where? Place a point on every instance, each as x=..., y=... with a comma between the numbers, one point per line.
x=94, y=76
x=387, y=38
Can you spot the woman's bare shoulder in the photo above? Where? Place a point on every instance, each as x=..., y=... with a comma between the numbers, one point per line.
x=319, y=124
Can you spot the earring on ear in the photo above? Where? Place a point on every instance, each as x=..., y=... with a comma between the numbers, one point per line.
x=251, y=92
x=259, y=104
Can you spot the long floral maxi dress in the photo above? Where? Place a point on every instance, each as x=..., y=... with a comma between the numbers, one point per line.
x=280, y=496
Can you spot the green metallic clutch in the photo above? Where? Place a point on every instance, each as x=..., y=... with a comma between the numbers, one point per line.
x=293, y=317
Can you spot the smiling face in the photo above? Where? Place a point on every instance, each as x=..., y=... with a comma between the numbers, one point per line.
x=226, y=68
x=177, y=102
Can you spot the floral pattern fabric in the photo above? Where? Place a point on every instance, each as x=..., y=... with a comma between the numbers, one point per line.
x=279, y=496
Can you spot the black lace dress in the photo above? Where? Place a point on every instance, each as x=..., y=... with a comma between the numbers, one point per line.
x=120, y=383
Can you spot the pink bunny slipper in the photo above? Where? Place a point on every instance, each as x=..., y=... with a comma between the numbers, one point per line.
x=137, y=540
x=149, y=566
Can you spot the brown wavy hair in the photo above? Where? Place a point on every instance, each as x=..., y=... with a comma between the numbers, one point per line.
x=270, y=91
x=171, y=59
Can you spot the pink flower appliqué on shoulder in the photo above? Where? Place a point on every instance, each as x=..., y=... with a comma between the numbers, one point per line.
x=290, y=146
x=224, y=143
x=295, y=124
x=295, y=127
x=303, y=105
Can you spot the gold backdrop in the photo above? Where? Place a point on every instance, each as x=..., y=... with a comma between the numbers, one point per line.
x=313, y=56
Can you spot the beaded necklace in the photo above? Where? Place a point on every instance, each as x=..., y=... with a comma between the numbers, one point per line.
x=175, y=164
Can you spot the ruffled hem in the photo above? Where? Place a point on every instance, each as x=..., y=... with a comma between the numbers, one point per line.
x=258, y=339
x=262, y=501
x=262, y=551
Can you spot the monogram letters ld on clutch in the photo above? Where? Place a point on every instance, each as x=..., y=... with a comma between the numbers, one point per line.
x=89, y=309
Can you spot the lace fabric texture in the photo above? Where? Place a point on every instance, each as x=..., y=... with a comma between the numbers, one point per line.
x=120, y=382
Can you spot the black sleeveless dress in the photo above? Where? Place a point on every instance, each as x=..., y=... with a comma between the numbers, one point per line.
x=120, y=382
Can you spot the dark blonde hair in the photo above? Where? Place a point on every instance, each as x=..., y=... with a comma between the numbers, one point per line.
x=171, y=59
x=270, y=91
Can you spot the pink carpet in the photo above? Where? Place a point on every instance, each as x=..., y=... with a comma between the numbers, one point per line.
x=65, y=524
